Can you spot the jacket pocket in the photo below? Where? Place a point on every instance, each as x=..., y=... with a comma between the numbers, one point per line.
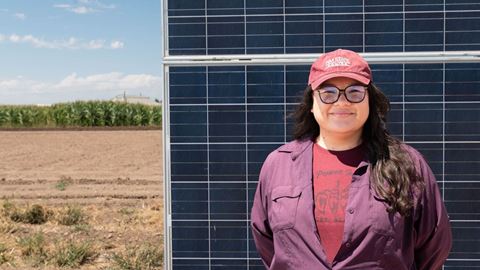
x=284, y=207
x=383, y=222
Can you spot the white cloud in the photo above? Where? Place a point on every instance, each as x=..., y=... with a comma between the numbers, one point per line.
x=85, y=6
x=108, y=81
x=71, y=43
x=82, y=10
x=65, y=6
x=116, y=44
x=75, y=9
x=22, y=90
x=15, y=38
x=20, y=16
x=96, y=44
x=96, y=3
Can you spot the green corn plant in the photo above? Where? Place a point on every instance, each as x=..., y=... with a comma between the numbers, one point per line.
x=16, y=117
x=86, y=117
x=137, y=116
x=5, y=117
x=126, y=115
x=157, y=115
x=98, y=112
x=61, y=115
x=28, y=114
x=111, y=114
x=81, y=114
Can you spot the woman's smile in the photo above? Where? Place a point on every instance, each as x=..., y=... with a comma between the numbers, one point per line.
x=342, y=113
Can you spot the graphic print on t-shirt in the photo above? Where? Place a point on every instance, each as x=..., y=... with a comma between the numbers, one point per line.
x=330, y=202
x=332, y=175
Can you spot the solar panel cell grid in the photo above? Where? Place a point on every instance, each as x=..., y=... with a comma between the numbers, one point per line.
x=224, y=120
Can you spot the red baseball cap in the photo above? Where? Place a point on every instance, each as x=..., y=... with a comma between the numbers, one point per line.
x=339, y=63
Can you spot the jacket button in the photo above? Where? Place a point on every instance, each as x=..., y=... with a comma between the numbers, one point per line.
x=348, y=244
x=351, y=211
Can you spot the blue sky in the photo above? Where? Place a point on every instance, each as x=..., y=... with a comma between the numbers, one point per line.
x=63, y=50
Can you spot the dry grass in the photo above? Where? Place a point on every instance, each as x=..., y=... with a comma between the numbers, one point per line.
x=33, y=249
x=71, y=215
x=6, y=257
x=125, y=238
x=72, y=254
x=98, y=187
x=143, y=257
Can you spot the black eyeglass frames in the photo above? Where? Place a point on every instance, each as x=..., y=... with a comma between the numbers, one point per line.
x=331, y=94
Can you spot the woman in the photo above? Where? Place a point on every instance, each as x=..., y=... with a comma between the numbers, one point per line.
x=345, y=194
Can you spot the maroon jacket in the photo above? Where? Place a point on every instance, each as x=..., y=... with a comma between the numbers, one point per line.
x=284, y=227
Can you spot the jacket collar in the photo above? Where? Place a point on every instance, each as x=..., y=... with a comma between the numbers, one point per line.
x=296, y=147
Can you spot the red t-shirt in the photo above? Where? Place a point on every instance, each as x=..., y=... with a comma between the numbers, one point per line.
x=332, y=175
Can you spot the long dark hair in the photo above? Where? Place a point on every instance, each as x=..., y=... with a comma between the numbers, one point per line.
x=393, y=172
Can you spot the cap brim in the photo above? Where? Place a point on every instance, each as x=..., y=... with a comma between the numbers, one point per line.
x=350, y=75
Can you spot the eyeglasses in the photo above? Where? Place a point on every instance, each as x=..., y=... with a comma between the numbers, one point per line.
x=331, y=94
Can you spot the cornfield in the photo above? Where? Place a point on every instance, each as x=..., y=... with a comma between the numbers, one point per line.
x=81, y=114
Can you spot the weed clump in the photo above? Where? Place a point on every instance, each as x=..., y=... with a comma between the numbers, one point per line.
x=71, y=215
x=35, y=214
x=33, y=248
x=72, y=254
x=61, y=185
x=147, y=257
x=5, y=257
x=7, y=208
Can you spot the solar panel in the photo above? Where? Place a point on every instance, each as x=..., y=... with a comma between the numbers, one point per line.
x=224, y=120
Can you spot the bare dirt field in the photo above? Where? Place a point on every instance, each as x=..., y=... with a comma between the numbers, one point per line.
x=112, y=179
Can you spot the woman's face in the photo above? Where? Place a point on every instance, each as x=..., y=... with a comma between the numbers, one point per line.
x=341, y=119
